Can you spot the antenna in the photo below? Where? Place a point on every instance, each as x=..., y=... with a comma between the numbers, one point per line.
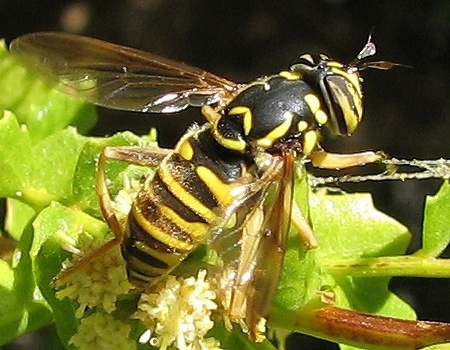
x=368, y=50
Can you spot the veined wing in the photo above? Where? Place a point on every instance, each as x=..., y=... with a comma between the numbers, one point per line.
x=252, y=251
x=119, y=77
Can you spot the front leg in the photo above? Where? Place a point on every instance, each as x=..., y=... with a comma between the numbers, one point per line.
x=336, y=161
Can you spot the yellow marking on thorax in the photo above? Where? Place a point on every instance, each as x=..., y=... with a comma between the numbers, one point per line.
x=302, y=125
x=276, y=133
x=264, y=143
x=184, y=196
x=334, y=64
x=158, y=233
x=321, y=117
x=290, y=75
x=313, y=102
x=310, y=140
x=247, y=117
x=314, y=106
x=232, y=144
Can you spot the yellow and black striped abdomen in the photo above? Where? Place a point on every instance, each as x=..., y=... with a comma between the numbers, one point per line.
x=176, y=209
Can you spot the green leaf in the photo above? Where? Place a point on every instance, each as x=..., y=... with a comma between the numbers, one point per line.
x=63, y=225
x=18, y=216
x=22, y=308
x=436, y=231
x=55, y=159
x=84, y=184
x=15, y=147
x=347, y=226
x=37, y=174
x=235, y=339
x=43, y=109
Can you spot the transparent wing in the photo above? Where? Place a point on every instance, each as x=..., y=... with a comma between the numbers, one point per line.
x=119, y=77
x=252, y=251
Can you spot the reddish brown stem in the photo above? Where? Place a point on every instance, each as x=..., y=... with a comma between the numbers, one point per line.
x=364, y=330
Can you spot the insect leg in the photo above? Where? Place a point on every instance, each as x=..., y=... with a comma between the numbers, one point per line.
x=304, y=229
x=150, y=157
x=144, y=156
x=326, y=160
x=210, y=113
x=133, y=155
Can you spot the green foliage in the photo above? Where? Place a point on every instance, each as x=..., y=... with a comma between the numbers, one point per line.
x=47, y=174
x=36, y=104
x=348, y=226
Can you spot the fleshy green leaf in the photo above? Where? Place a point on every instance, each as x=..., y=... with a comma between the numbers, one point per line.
x=84, y=183
x=37, y=174
x=43, y=109
x=15, y=148
x=436, y=229
x=56, y=227
x=64, y=225
x=237, y=340
x=22, y=308
x=347, y=226
x=18, y=216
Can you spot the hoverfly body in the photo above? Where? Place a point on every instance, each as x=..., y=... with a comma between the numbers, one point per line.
x=227, y=183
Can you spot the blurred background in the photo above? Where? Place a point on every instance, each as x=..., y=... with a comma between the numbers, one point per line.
x=407, y=110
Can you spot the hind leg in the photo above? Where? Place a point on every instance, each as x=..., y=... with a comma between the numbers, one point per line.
x=147, y=157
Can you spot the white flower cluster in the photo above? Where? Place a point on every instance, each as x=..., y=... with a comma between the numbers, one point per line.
x=123, y=201
x=177, y=313
x=102, y=331
x=100, y=283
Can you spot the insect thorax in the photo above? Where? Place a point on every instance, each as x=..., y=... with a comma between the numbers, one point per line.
x=268, y=112
x=294, y=104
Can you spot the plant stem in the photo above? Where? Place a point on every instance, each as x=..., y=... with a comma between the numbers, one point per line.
x=362, y=330
x=412, y=266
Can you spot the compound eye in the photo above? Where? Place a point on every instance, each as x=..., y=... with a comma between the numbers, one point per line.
x=345, y=104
